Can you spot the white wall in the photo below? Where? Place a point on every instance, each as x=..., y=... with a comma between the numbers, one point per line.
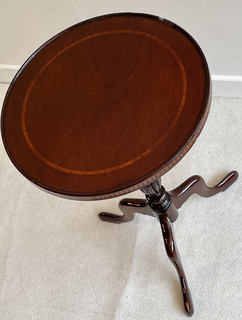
x=215, y=24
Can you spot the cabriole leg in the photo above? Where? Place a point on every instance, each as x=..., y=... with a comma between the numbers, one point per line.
x=128, y=208
x=161, y=204
x=173, y=254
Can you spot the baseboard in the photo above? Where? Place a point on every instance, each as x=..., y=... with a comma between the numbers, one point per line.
x=227, y=86
x=7, y=72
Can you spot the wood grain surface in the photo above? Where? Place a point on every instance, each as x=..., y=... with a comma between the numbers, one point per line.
x=106, y=106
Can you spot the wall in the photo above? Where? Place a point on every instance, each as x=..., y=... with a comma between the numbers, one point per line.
x=216, y=25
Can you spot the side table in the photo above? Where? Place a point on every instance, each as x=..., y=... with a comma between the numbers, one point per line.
x=107, y=107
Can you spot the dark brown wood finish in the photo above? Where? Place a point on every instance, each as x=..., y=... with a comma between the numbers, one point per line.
x=196, y=184
x=106, y=106
x=164, y=206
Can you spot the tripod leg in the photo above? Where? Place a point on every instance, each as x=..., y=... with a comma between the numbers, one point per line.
x=196, y=184
x=173, y=254
x=128, y=207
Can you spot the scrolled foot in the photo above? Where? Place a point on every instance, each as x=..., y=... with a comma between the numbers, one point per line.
x=128, y=207
x=112, y=217
x=196, y=184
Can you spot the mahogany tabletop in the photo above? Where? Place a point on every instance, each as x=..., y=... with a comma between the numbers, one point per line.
x=106, y=106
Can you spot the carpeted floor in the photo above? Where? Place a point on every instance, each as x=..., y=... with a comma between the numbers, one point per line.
x=59, y=261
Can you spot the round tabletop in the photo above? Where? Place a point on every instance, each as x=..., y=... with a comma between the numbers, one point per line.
x=107, y=106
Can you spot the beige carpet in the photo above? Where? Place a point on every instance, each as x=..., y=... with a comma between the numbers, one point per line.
x=59, y=261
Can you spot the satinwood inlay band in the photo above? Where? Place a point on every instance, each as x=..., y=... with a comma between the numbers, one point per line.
x=107, y=106
x=131, y=161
